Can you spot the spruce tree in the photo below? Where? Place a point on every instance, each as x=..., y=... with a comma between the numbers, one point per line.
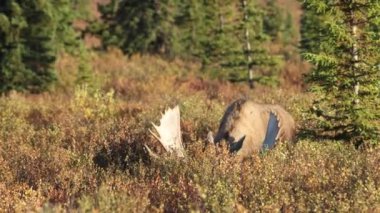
x=278, y=23
x=39, y=50
x=32, y=33
x=273, y=20
x=140, y=26
x=109, y=31
x=219, y=21
x=192, y=30
x=27, y=55
x=346, y=76
x=12, y=70
x=246, y=58
x=289, y=34
x=312, y=31
x=67, y=39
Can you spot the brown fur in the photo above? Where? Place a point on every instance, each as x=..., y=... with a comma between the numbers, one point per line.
x=247, y=119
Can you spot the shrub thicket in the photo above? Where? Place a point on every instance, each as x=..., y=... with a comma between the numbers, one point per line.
x=83, y=151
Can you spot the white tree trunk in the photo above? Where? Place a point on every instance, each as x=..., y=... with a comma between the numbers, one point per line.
x=248, y=45
x=355, y=56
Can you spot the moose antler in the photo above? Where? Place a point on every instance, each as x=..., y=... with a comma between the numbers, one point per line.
x=169, y=133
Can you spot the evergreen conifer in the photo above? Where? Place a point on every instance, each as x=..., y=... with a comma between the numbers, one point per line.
x=345, y=79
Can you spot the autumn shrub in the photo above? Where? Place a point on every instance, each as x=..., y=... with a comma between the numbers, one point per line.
x=302, y=177
x=82, y=150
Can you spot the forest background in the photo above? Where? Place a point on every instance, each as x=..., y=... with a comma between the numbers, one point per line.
x=81, y=82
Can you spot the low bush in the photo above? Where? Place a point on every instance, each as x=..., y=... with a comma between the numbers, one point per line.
x=83, y=151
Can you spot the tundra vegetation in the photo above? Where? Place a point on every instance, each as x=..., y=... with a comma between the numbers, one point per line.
x=75, y=115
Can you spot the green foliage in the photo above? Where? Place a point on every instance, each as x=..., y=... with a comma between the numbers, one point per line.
x=32, y=34
x=312, y=32
x=28, y=55
x=229, y=45
x=110, y=35
x=289, y=32
x=209, y=31
x=66, y=38
x=347, y=89
x=38, y=51
x=10, y=56
x=137, y=26
x=278, y=24
x=192, y=25
x=273, y=19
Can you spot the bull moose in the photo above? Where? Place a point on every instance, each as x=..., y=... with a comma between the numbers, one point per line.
x=246, y=126
x=249, y=127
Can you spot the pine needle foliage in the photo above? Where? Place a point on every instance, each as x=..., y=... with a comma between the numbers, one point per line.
x=278, y=23
x=32, y=33
x=345, y=80
x=139, y=26
x=212, y=32
x=239, y=45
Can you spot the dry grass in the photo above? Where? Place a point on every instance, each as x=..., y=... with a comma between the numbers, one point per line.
x=82, y=150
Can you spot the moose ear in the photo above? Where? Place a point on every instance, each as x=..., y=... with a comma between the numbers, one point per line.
x=272, y=132
x=210, y=137
x=236, y=146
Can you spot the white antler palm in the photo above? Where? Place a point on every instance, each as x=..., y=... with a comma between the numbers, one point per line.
x=169, y=132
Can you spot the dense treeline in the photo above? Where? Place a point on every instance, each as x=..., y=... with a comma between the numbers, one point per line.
x=214, y=32
x=229, y=36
